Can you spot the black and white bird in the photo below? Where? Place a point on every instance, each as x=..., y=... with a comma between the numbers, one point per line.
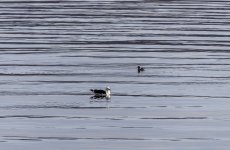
x=140, y=69
x=102, y=93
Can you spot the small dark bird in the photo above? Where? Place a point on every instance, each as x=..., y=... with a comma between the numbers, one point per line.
x=102, y=93
x=140, y=69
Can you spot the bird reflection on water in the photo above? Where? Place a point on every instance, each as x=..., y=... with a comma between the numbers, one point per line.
x=100, y=98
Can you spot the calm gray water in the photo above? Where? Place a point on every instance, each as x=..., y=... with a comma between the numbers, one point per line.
x=53, y=51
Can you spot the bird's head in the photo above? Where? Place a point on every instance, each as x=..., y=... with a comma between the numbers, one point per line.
x=107, y=88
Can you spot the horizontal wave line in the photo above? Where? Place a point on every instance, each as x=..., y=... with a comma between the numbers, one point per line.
x=73, y=138
x=156, y=57
x=131, y=82
x=175, y=118
x=76, y=117
x=136, y=42
x=7, y=93
x=30, y=116
x=123, y=75
x=70, y=107
x=117, y=64
x=168, y=95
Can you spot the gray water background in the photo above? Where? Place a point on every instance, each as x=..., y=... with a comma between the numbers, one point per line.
x=53, y=51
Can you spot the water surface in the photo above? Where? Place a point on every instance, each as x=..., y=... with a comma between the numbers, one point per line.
x=52, y=52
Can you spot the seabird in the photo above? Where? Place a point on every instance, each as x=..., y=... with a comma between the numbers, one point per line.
x=140, y=69
x=102, y=93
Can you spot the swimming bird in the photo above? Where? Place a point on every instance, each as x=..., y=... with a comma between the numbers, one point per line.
x=102, y=93
x=140, y=69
